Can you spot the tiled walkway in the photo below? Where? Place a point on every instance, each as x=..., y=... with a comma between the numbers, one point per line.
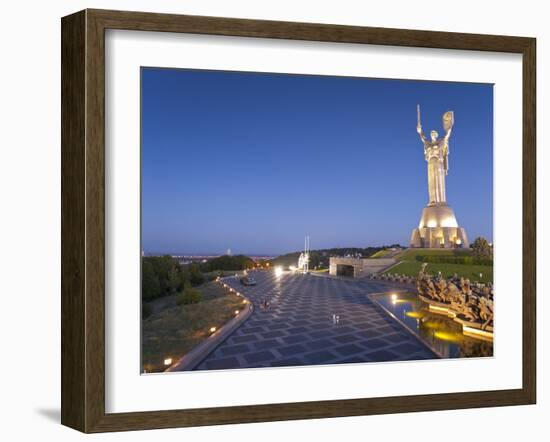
x=298, y=327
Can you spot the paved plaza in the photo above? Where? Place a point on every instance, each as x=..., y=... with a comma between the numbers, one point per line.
x=298, y=326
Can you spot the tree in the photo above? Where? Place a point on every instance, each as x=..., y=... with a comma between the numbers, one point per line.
x=150, y=286
x=229, y=263
x=194, y=274
x=163, y=275
x=481, y=249
x=173, y=280
x=163, y=265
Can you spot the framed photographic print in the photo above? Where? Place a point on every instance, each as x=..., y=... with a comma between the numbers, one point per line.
x=270, y=220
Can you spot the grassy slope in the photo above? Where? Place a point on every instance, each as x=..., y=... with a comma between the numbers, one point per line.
x=410, y=266
x=175, y=330
x=381, y=253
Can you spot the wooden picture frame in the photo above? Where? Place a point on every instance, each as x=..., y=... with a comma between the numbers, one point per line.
x=83, y=220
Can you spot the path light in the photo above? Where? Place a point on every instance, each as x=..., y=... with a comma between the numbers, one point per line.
x=278, y=271
x=393, y=298
x=168, y=361
x=236, y=312
x=212, y=329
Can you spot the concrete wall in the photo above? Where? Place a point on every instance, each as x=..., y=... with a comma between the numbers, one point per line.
x=362, y=266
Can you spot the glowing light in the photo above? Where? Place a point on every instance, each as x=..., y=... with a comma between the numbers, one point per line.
x=458, y=242
x=394, y=298
x=244, y=301
x=293, y=268
x=449, y=222
x=414, y=315
x=212, y=329
x=448, y=336
x=278, y=271
x=432, y=223
x=168, y=361
x=477, y=333
x=441, y=310
x=236, y=312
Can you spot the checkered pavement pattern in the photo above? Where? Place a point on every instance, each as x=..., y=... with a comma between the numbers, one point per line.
x=299, y=328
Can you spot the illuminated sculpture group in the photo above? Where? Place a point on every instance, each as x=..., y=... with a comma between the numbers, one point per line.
x=438, y=226
x=467, y=303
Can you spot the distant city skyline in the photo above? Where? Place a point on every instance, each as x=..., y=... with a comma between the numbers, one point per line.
x=253, y=162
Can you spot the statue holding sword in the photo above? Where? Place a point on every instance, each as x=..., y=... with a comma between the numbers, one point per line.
x=436, y=153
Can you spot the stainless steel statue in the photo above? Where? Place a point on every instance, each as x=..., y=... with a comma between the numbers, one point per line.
x=438, y=226
x=436, y=152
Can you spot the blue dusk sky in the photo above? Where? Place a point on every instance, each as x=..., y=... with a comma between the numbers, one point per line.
x=254, y=161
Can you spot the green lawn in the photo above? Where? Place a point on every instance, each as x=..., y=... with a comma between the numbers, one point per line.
x=174, y=330
x=470, y=271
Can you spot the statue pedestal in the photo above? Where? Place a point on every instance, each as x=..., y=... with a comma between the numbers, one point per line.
x=438, y=228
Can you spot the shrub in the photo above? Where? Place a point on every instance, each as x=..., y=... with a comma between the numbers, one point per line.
x=146, y=310
x=189, y=296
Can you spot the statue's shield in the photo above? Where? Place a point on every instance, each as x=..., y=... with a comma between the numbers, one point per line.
x=448, y=120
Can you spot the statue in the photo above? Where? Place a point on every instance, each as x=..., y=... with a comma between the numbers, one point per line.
x=470, y=304
x=438, y=226
x=436, y=152
x=303, y=261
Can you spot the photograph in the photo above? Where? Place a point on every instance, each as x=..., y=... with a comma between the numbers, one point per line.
x=262, y=221
x=300, y=220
